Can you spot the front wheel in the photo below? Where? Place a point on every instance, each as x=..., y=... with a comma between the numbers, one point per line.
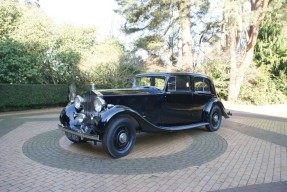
x=214, y=119
x=119, y=137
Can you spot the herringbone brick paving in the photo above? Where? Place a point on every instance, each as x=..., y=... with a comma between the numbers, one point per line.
x=248, y=153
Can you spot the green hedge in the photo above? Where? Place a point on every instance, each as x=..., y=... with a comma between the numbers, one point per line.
x=27, y=96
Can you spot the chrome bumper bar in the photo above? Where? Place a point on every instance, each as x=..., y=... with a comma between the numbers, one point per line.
x=80, y=134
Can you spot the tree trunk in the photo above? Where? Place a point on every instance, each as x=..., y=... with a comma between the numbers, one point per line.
x=233, y=67
x=237, y=79
x=185, y=31
x=237, y=72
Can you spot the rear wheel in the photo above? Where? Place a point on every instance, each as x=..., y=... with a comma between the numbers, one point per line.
x=119, y=137
x=214, y=119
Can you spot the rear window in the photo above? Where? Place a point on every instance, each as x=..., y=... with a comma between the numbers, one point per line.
x=201, y=85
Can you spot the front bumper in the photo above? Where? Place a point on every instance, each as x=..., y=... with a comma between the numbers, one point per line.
x=80, y=133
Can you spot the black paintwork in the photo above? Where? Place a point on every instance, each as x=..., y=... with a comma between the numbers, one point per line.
x=153, y=109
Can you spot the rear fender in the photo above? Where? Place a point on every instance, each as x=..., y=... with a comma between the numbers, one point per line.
x=208, y=107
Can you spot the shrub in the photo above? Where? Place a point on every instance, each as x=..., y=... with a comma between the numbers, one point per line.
x=258, y=88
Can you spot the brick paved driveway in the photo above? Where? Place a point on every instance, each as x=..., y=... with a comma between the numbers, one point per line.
x=248, y=153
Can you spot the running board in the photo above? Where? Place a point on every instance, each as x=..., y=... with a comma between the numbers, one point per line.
x=183, y=127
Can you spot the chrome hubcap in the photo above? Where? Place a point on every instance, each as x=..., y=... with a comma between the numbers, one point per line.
x=123, y=138
x=215, y=118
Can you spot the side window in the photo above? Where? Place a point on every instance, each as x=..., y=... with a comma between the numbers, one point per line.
x=201, y=85
x=182, y=83
x=206, y=86
x=145, y=81
x=171, y=84
x=179, y=83
x=159, y=83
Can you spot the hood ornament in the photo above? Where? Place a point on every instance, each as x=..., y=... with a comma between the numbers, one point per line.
x=93, y=87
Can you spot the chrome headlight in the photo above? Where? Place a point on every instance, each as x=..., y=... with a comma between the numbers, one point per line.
x=78, y=102
x=99, y=104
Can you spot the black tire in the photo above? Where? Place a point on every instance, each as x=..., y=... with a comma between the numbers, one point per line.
x=119, y=137
x=214, y=119
x=74, y=138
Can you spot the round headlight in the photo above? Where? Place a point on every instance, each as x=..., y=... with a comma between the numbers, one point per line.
x=78, y=102
x=99, y=104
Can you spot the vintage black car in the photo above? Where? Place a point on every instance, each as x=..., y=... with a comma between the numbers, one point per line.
x=156, y=102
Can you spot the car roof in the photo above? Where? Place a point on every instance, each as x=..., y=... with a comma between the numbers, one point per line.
x=167, y=74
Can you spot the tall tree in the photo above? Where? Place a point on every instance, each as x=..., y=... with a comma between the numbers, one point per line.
x=9, y=16
x=108, y=64
x=271, y=48
x=34, y=3
x=158, y=21
x=33, y=50
x=35, y=31
x=16, y=63
x=69, y=45
x=241, y=30
x=283, y=11
x=185, y=31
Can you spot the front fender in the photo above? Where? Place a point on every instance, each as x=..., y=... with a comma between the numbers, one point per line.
x=68, y=117
x=208, y=107
x=109, y=114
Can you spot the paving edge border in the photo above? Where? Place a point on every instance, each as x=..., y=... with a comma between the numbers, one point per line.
x=45, y=149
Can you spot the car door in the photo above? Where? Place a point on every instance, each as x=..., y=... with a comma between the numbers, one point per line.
x=177, y=103
x=202, y=94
